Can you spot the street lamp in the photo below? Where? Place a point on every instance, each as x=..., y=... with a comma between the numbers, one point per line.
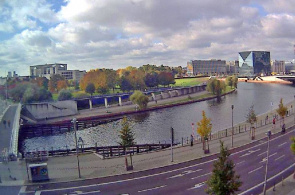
x=267, y=154
x=74, y=121
x=232, y=125
x=294, y=109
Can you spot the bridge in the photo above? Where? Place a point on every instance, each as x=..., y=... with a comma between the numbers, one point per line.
x=287, y=78
x=9, y=131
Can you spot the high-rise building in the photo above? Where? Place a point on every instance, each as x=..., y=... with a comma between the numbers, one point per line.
x=278, y=66
x=208, y=67
x=48, y=70
x=254, y=63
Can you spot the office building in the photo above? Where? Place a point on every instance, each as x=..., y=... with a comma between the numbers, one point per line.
x=253, y=63
x=207, y=67
x=278, y=66
x=48, y=70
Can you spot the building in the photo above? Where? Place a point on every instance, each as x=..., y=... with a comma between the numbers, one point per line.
x=207, y=67
x=232, y=67
x=278, y=66
x=254, y=63
x=290, y=67
x=48, y=70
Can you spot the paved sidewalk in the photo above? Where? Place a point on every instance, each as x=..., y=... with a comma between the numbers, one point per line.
x=65, y=168
x=287, y=187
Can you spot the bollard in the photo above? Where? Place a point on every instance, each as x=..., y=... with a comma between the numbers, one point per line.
x=187, y=140
x=282, y=181
x=274, y=186
x=182, y=141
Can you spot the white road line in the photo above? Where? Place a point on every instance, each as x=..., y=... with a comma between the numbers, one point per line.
x=250, y=152
x=272, y=154
x=268, y=180
x=280, y=157
x=38, y=193
x=152, y=188
x=184, y=173
x=255, y=170
x=240, y=162
x=261, y=153
x=201, y=175
x=98, y=191
x=120, y=181
x=197, y=186
x=282, y=144
x=22, y=189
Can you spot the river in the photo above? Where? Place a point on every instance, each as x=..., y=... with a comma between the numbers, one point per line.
x=154, y=126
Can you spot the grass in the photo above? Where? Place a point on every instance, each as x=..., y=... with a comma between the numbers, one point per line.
x=189, y=81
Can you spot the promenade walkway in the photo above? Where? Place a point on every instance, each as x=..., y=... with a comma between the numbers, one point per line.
x=92, y=166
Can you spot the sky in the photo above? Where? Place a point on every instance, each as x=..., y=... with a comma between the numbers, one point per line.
x=90, y=34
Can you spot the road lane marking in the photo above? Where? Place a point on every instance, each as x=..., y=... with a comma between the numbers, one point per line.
x=263, y=160
x=261, y=153
x=255, y=170
x=152, y=188
x=121, y=181
x=268, y=180
x=282, y=144
x=98, y=191
x=201, y=175
x=22, y=189
x=250, y=152
x=280, y=157
x=240, y=162
x=184, y=173
x=197, y=186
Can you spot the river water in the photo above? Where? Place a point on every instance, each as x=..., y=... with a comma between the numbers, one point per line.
x=152, y=127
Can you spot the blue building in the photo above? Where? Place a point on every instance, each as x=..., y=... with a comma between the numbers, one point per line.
x=252, y=63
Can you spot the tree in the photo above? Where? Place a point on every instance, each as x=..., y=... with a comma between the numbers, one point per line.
x=216, y=87
x=251, y=118
x=42, y=82
x=235, y=81
x=282, y=110
x=229, y=81
x=204, y=127
x=140, y=99
x=223, y=180
x=90, y=88
x=64, y=95
x=53, y=82
x=98, y=77
x=125, y=84
x=62, y=84
x=126, y=134
x=166, y=78
x=151, y=79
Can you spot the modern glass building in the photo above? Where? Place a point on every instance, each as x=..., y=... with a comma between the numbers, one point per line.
x=253, y=63
x=208, y=67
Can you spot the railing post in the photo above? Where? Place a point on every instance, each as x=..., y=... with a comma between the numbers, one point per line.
x=239, y=129
x=225, y=132
x=181, y=141
x=111, y=151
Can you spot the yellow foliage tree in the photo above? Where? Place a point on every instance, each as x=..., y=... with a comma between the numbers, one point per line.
x=282, y=110
x=204, y=128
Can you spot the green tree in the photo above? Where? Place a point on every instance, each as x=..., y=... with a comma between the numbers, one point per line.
x=229, y=81
x=140, y=99
x=204, y=128
x=90, y=88
x=235, y=81
x=223, y=180
x=125, y=85
x=64, y=95
x=251, y=118
x=282, y=110
x=216, y=87
x=53, y=82
x=126, y=135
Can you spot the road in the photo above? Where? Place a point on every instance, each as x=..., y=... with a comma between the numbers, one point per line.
x=6, y=129
x=188, y=177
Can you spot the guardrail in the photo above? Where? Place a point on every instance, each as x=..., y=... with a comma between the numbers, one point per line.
x=13, y=149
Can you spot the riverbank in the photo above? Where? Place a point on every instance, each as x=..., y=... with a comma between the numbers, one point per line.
x=115, y=111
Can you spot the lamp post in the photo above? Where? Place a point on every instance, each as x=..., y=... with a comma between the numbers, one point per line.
x=267, y=154
x=294, y=109
x=172, y=140
x=232, y=125
x=74, y=121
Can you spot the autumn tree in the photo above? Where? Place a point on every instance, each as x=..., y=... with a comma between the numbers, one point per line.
x=53, y=82
x=151, y=79
x=90, y=88
x=98, y=77
x=140, y=99
x=41, y=82
x=136, y=79
x=224, y=180
x=204, y=128
x=251, y=118
x=282, y=110
x=112, y=79
x=166, y=78
x=62, y=84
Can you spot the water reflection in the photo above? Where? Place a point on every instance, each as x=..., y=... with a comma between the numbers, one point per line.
x=154, y=126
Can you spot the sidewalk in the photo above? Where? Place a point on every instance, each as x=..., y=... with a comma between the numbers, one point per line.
x=92, y=166
x=287, y=187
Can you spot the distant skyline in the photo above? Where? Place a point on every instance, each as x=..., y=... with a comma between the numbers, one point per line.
x=89, y=34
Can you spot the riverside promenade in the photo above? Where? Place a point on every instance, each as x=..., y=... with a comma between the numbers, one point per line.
x=63, y=169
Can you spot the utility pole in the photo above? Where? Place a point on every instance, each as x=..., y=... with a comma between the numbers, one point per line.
x=172, y=140
x=267, y=154
x=232, y=125
x=74, y=121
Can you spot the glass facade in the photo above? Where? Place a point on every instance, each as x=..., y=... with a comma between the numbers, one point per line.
x=253, y=63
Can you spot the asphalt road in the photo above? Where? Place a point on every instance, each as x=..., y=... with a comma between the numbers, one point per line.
x=5, y=129
x=188, y=177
